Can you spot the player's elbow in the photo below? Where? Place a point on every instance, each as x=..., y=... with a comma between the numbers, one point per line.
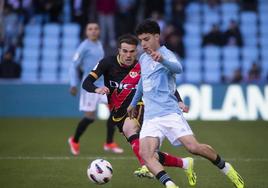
x=178, y=69
x=86, y=84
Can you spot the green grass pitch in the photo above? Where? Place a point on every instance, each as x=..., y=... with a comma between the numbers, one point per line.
x=34, y=153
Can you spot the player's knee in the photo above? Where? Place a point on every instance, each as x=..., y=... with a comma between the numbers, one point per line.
x=145, y=155
x=90, y=115
x=129, y=130
x=193, y=148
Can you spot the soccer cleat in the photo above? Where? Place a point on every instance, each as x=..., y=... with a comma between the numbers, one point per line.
x=143, y=172
x=235, y=177
x=191, y=176
x=113, y=147
x=172, y=186
x=74, y=147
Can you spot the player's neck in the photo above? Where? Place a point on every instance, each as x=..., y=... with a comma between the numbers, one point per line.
x=121, y=63
x=92, y=40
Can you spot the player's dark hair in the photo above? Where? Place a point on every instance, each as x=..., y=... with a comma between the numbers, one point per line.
x=127, y=38
x=148, y=26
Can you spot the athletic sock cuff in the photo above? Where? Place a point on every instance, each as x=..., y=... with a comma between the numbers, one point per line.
x=133, y=137
x=161, y=157
x=163, y=177
x=87, y=120
x=219, y=162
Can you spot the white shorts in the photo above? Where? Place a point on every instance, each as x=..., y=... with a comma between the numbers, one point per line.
x=89, y=101
x=172, y=127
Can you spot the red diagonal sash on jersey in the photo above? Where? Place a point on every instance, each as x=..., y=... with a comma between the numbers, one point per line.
x=132, y=77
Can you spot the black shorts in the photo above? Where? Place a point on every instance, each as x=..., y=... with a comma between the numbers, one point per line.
x=119, y=120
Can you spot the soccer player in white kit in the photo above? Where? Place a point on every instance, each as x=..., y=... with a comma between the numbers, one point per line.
x=86, y=57
x=162, y=116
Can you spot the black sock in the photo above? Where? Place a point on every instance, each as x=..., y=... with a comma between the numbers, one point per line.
x=163, y=177
x=161, y=157
x=219, y=162
x=110, y=131
x=82, y=126
x=133, y=137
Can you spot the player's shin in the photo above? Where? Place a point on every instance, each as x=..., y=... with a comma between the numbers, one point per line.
x=169, y=160
x=135, y=145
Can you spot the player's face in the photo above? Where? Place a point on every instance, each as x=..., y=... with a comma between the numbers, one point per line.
x=93, y=31
x=127, y=53
x=149, y=42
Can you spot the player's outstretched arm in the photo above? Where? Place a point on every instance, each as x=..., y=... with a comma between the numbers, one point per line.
x=88, y=84
x=182, y=106
x=172, y=64
x=102, y=90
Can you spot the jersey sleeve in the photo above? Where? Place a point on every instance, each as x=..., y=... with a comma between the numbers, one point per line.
x=76, y=61
x=138, y=94
x=171, y=62
x=98, y=70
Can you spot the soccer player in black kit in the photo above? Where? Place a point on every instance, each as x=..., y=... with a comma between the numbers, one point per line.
x=121, y=76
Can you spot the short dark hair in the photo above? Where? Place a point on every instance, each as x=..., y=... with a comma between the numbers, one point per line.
x=127, y=38
x=148, y=26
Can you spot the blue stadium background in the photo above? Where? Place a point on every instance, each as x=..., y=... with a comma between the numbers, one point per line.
x=43, y=35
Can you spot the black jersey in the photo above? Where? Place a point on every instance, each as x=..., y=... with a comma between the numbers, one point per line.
x=121, y=81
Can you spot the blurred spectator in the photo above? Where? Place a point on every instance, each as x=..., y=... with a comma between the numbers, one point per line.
x=158, y=17
x=153, y=6
x=237, y=76
x=254, y=73
x=50, y=10
x=232, y=35
x=11, y=28
x=167, y=30
x=106, y=12
x=23, y=8
x=213, y=37
x=178, y=15
x=9, y=68
x=126, y=16
x=175, y=43
x=249, y=5
x=80, y=13
x=213, y=4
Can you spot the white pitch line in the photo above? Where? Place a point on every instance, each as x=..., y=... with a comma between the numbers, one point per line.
x=63, y=158
x=111, y=158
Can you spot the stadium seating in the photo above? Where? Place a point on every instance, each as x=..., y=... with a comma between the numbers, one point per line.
x=48, y=49
x=192, y=70
x=212, y=73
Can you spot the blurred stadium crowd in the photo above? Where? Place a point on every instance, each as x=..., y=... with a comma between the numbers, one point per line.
x=219, y=41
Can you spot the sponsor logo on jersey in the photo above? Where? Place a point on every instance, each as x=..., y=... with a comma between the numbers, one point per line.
x=121, y=85
x=133, y=74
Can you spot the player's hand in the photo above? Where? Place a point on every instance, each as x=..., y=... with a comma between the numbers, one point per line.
x=131, y=112
x=156, y=56
x=184, y=107
x=73, y=91
x=102, y=90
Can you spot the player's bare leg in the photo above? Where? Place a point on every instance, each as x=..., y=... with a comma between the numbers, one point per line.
x=148, y=146
x=73, y=141
x=130, y=130
x=206, y=151
x=110, y=145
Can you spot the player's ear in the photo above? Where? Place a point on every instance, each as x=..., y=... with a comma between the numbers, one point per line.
x=157, y=36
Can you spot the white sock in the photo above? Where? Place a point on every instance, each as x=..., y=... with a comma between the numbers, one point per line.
x=226, y=169
x=168, y=183
x=185, y=162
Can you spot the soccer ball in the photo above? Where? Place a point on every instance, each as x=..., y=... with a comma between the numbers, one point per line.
x=100, y=171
